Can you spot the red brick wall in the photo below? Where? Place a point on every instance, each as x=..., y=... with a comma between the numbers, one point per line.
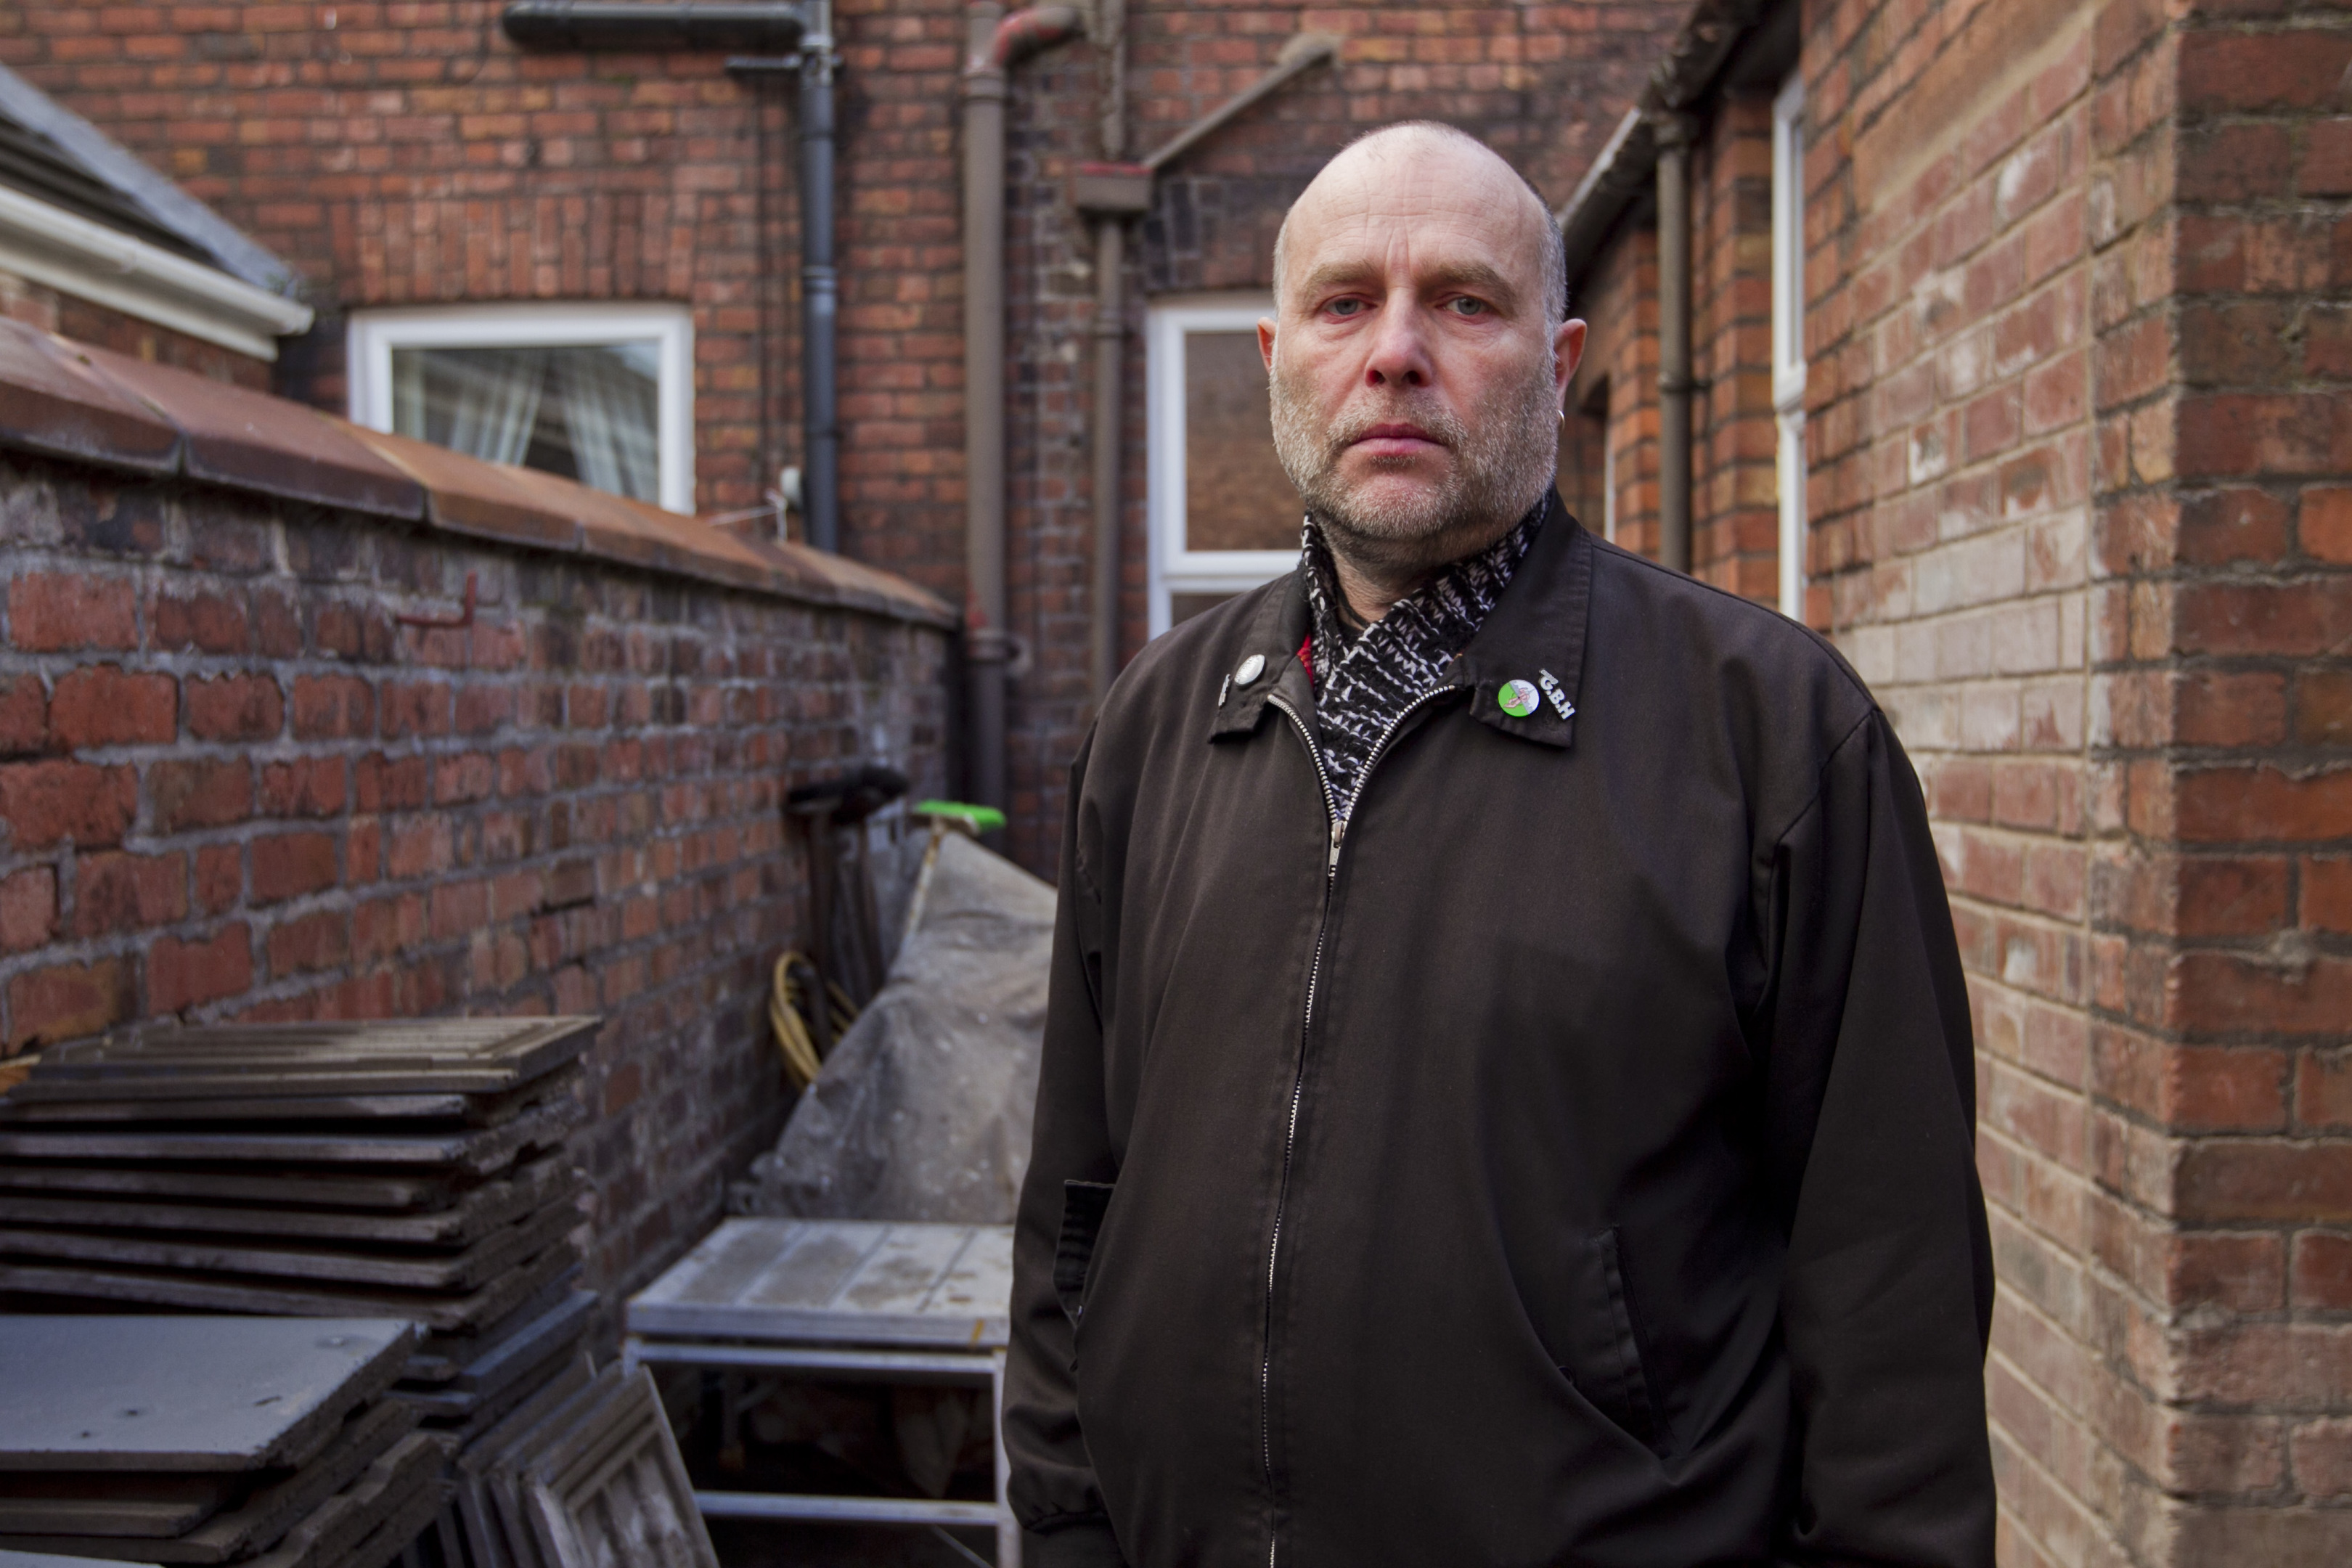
x=37, y=304
x=408, y=153
x=2074, y=431
x=1735, y=487
x=233, y=786
x=1735, y=514
x=1618, y=297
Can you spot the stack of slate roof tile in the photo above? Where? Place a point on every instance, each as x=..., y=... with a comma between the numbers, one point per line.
x=414, y=1170
x=258, y=1442
x=584, y=1472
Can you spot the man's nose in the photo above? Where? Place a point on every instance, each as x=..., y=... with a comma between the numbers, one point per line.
x=1399, y=351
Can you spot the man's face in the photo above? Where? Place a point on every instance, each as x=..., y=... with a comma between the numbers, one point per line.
x=1416, y=386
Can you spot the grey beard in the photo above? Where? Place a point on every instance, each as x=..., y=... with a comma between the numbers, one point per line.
x=1502, y=466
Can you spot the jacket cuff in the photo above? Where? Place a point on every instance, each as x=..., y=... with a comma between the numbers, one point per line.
x=1083, y=1544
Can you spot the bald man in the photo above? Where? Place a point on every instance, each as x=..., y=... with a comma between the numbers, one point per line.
x=1508, y=1092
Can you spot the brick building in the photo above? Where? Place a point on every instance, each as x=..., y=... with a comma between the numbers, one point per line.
x=2015, y=363
x=436, y=186
x=2016, y=355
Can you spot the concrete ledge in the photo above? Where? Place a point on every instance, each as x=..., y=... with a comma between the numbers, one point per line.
x=64, y=399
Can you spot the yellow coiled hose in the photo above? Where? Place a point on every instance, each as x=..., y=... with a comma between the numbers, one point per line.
x=791, y=1030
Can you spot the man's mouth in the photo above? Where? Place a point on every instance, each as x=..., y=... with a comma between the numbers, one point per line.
x=1395, y=440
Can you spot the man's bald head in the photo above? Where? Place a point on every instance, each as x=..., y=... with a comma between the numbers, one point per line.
x=1421, y=357
x=1376, y=153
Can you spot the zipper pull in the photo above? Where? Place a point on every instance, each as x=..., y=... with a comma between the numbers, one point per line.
x=1338, y=831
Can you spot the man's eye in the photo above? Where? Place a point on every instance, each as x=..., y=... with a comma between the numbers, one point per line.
x=1345, y=307
x=1466, y=305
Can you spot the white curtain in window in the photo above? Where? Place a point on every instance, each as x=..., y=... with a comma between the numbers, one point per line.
x=497, y=402
x=609, y=412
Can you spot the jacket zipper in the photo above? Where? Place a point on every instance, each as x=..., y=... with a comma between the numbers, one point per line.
x=1339, y=826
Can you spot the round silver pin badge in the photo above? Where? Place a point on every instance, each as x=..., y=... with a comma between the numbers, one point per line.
x=1250, y=669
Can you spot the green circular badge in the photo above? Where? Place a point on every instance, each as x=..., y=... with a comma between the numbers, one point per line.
x=1518, y=697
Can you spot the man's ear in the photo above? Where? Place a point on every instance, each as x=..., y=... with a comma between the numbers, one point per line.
x=1567, y=353
x=1266, y=342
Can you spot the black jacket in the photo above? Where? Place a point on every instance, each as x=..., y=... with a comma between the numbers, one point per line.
x=1571, y=1164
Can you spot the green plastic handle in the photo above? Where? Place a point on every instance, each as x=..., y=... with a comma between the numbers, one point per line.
x=981, y=818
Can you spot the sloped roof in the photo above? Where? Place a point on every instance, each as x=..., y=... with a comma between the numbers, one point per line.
x=53, y=154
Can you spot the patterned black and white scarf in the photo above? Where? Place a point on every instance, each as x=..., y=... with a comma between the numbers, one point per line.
x=1367, y=675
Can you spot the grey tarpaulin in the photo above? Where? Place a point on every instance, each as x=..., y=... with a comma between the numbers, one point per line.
x=922, y=1111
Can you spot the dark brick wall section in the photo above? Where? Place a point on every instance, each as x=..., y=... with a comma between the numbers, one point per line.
x=233, y=785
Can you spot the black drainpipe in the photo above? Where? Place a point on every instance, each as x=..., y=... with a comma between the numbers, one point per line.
x=793, y=37
x=820, y=289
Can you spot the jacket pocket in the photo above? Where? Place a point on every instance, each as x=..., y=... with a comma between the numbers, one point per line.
x=1083, y=1206
x=1602, y=1348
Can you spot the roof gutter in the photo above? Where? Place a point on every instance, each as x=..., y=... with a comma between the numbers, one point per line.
x=1628, y=164
x=74, y=255
x=684, y=24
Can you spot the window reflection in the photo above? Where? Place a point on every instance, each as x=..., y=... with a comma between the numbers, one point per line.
x=588, y=413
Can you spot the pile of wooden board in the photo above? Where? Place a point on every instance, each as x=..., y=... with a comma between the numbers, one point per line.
x=261, y=1442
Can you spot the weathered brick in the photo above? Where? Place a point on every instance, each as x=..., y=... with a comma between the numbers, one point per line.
x=116, y=892
x=289, y=865
x=28, y=909
x=197, y=621
x=189, y=973
x=332, y=708
x=2323, y=1271
x=307, y=786
x=236, y=708
x=308, y=944
x=24, y=716
x=67, y=1001
x=102, y=705
x=220, y=876
x=200, y=792
x=49, y=612
x=2322, y=1457
x=50, y=803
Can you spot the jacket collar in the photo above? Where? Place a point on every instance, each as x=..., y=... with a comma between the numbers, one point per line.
x=1276, y=630
x=1534, y=633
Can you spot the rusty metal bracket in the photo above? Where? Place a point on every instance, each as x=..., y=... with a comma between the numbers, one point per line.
x=464, y=617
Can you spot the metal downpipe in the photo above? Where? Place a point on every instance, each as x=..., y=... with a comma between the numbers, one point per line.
x=996, y=41
x=820, y=289
x=1109, y=434
x=1110, y=365
x=986, y=650
x=1674, y=384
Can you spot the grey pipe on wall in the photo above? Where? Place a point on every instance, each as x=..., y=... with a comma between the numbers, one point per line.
x=799, y=34
x=996, y=42
x=820, y=289
x=1675, y=132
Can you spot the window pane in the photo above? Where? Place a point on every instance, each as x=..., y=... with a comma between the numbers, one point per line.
x=589, y=414
x=1237, y=496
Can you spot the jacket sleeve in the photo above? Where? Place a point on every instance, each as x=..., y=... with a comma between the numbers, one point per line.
x=1052, y=1482
x=1886, y=1303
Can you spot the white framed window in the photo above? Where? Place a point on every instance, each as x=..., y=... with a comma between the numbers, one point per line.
x=1789, y=333
x=1608, y=472
x=1223, y=515
x=600, y=394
